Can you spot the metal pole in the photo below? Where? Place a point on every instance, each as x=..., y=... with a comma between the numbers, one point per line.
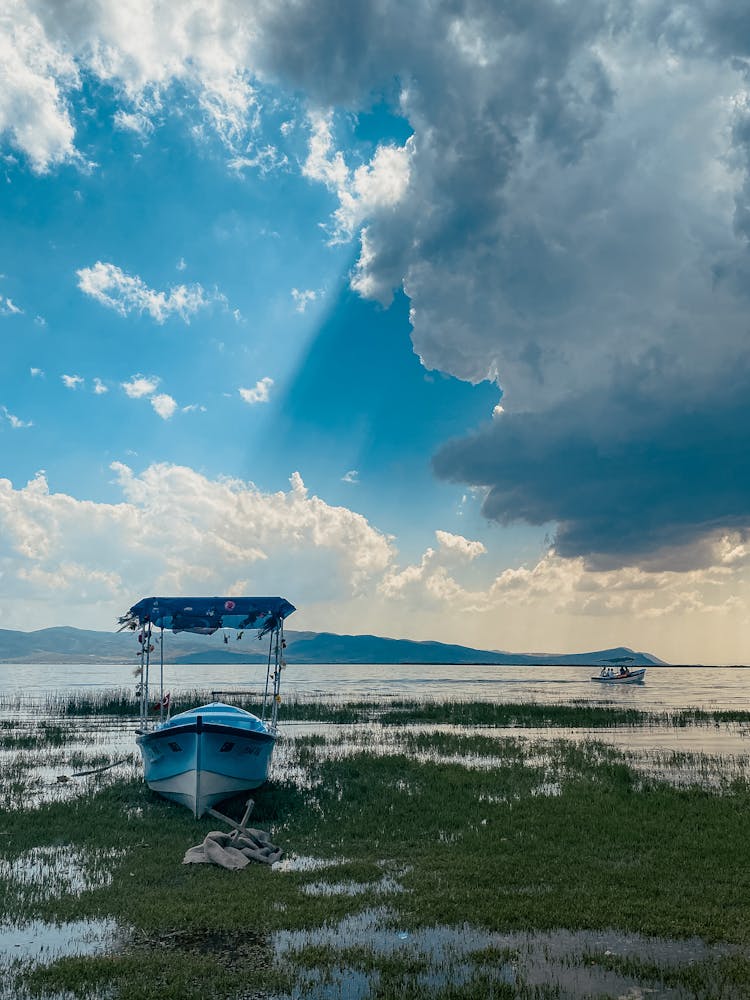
x=148, y=661
x=268, y=674
x=276, y=678
x=161, y=675
x=140, y=686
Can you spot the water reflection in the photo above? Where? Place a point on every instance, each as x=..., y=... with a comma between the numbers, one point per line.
x=569, y=964
x=39, y=941
x=666, y=688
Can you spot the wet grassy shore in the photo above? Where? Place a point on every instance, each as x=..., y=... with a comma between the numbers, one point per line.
x=421, y=861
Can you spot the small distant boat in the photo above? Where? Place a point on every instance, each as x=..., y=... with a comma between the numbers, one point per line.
x=205, y=755
x=625, y=675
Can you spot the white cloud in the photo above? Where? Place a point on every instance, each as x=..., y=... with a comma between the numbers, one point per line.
x=578, y=609
x=211, y=535
x=99, y=387
x=323, y=163
x=72, y=381
x=139, y=50
x=137, y=122
x=377, y=186
x=145, y=386
x=36, y=372
x=263, y=159
x=15, y=422
x=164, y=405
x=112, y=287
x=9, y=308
x=35, y=72
x=302, y=298
x=141, y=385
x=460, y=545
x=215, y=534
x=352, y=476
x=259, y=393
x=181, y=265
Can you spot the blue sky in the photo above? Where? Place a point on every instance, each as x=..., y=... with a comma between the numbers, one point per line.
x=438, y=332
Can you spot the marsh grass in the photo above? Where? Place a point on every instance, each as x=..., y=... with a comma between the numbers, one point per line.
x=123, y=703
x=429, y=842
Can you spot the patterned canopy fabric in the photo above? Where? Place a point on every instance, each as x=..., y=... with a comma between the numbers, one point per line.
x=207, y=614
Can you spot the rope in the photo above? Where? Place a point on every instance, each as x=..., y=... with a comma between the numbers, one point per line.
x=96, y=770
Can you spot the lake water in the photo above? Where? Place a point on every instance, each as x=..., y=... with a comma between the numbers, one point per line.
x=665, y=688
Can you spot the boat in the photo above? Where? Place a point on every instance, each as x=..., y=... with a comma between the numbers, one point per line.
x=625, y=675
x=206, y=754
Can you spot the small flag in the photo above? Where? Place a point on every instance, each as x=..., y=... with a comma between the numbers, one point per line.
x=162, y=704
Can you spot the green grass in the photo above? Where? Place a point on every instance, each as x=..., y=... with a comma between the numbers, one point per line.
x=613, y=849
x=122, y=702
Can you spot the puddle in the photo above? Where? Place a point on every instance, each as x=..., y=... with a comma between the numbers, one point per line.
x=31, y=779
x=41, y=943
x=57, y=871
x=563, y=962
x=303, y=863
x=385, y=885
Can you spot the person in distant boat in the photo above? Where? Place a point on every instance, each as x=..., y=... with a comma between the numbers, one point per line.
x=624, y=671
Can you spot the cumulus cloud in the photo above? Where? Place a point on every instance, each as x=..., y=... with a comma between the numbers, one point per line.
x=259, y=393
x=36, y=372
x=352, y=476
x=371, y=187
x=164, y=405
x=125, y=293
x=213, y=536
x=140, y=50
x=571, y=222
x=36, y=72
x=99, y=387
x=145, y=386
x=227, y=535
x=460, y=545
x=561, y=598
x=141, y=385
x=72, y=381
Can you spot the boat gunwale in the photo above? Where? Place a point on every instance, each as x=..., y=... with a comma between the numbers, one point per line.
x=169, y=732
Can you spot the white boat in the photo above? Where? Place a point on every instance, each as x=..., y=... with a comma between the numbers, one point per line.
x=209, y=753
x=625, y=675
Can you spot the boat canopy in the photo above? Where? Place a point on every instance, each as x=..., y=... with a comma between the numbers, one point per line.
x=207, y=614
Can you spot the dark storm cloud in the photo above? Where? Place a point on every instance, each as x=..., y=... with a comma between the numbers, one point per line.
x=625, y=479
x=576, y=227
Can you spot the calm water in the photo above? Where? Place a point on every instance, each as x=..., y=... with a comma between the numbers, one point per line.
x=666, y=688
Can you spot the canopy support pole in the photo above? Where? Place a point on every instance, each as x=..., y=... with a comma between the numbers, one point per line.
x=161, y=675
x=268, y=675
x=147, y=644
x=279, y=645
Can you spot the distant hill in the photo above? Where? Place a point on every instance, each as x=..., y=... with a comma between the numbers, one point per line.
x=72, y=645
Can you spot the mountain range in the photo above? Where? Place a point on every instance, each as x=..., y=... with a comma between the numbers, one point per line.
x=64, y=644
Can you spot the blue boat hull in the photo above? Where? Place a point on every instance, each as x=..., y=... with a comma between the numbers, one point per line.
x=206, y=755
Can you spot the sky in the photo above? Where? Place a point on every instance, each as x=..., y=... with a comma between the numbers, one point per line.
x=436, y=326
